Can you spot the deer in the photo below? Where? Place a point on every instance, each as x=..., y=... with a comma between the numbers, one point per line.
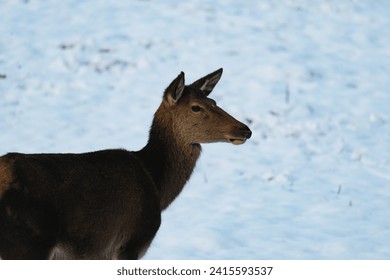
x=107, y=204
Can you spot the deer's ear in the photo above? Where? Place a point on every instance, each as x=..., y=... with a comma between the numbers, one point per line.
x=175, y=90
x=207, y=83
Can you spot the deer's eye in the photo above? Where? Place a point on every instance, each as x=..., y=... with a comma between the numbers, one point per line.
x=195, y=108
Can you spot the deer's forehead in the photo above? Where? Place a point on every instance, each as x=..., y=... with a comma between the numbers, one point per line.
x=195, y=95
x=192, y=96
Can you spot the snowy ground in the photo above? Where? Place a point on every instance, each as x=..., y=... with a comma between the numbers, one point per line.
x=311, y=78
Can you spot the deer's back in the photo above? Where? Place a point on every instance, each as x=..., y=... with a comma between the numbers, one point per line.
x=98, y=175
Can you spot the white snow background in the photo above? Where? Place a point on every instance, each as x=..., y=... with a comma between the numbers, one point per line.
x=311, y=79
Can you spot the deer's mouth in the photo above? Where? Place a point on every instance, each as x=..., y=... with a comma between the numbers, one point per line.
x=237, y=141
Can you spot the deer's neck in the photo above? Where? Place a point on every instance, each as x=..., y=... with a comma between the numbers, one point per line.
x=169, y=160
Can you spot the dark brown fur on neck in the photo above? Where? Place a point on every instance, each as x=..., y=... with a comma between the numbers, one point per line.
x=169, y=161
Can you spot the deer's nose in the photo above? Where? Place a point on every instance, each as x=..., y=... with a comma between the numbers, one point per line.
x=246, y=132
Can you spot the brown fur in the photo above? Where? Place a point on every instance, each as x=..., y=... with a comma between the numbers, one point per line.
x=6, y=176
x=107, y=204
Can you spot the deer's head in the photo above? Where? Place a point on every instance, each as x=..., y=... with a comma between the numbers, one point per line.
x=196, y=118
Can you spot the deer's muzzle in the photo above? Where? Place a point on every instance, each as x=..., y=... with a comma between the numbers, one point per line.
x=239, y=137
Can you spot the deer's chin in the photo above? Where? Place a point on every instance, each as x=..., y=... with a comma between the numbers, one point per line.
x=237, y=141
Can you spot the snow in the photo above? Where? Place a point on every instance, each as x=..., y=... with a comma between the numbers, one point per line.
x=310, y=78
